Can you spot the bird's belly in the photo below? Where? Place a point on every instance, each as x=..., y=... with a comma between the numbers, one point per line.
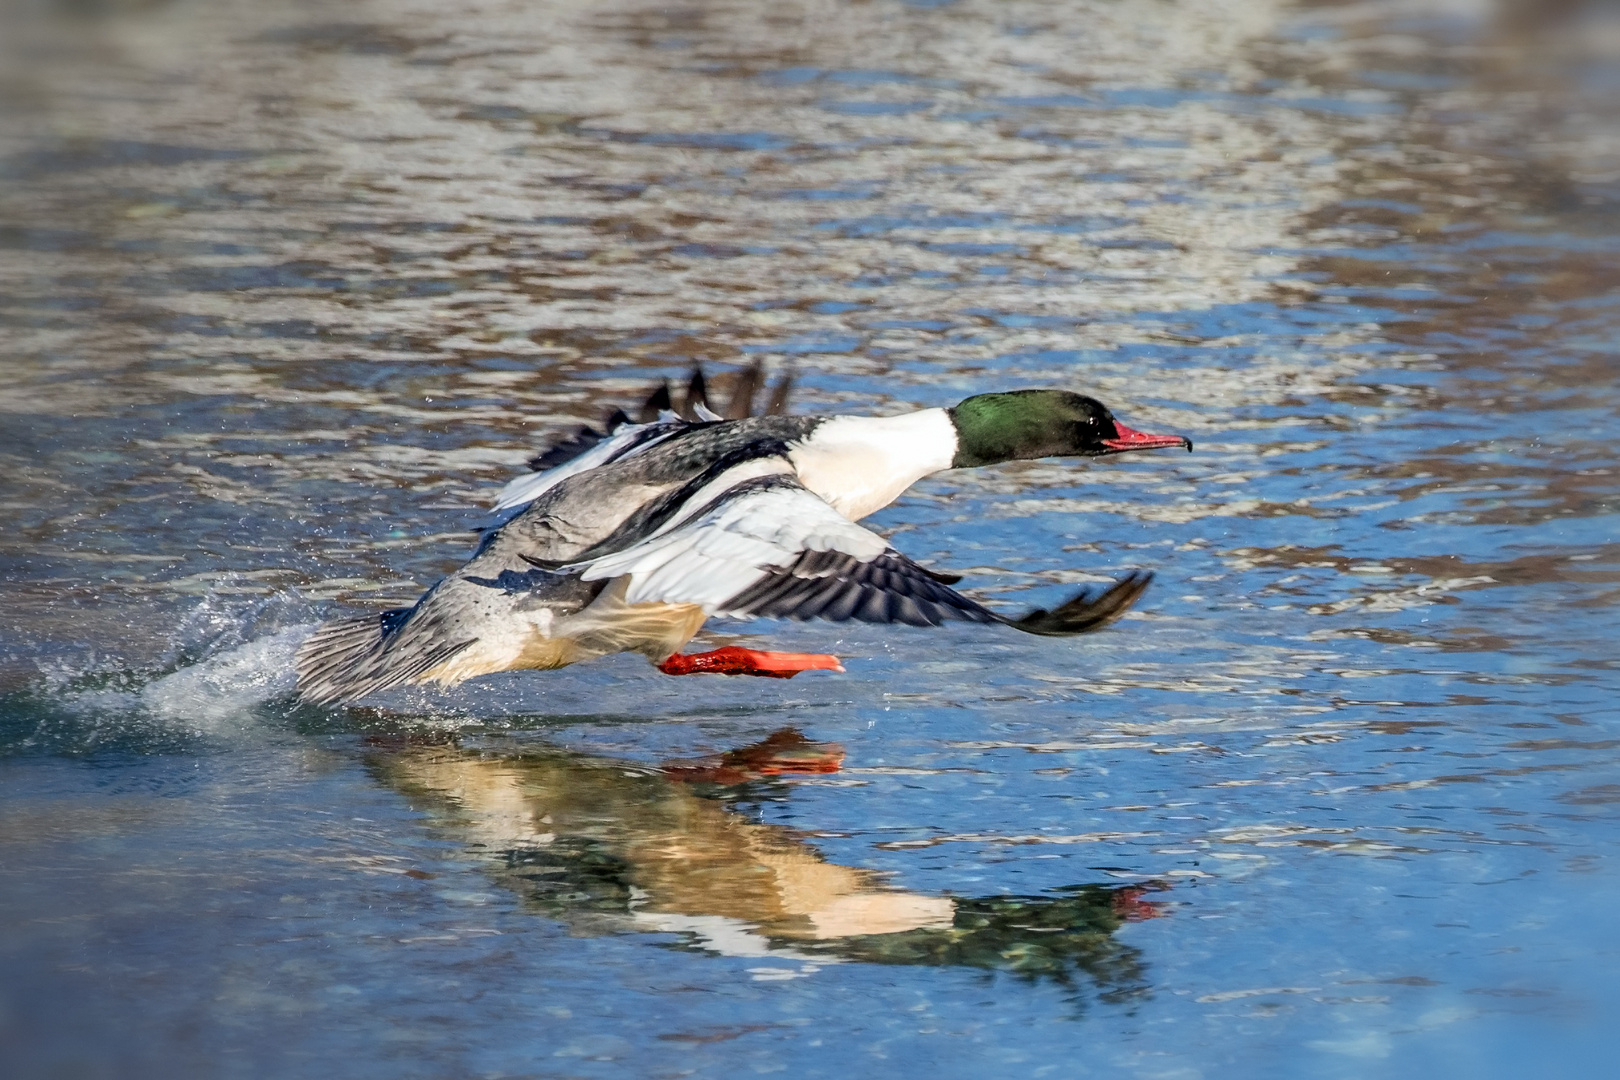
x=654, y=630
x=538, y=640
x=518, y=645
x=544, y=653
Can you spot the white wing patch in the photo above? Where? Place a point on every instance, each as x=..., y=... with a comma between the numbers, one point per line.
x=709, y=559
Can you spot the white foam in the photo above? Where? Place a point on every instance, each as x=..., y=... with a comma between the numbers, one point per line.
x=222, y=690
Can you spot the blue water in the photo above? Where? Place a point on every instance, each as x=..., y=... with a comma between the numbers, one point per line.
x=287, y=300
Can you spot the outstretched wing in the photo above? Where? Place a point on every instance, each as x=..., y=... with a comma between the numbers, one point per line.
x=657, y=419
x=764, y=545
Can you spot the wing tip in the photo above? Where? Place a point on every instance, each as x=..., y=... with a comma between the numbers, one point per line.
x=1086, y=612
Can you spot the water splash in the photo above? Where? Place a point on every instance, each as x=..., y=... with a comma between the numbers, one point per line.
x=225, y=673
x=215, y=695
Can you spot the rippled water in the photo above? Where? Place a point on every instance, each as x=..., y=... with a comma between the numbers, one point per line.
x=287, y=295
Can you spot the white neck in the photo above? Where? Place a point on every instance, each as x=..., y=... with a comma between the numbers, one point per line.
x=860, y=464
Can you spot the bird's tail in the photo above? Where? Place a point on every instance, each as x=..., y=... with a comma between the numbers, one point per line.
x=328, y=659
x=350, y=658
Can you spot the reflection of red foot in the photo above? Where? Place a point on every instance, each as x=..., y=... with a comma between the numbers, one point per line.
x=1129, y=905
x=735, y=661
x=782, y=753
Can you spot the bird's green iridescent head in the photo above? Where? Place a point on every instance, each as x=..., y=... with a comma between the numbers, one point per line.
x=1021, y=425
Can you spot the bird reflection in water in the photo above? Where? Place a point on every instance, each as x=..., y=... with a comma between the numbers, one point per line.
x=611, y=846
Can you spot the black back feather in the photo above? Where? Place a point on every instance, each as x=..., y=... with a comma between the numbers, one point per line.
x=657, y=402
x=697, y=393
x=744, y=392
x=777, y=405
x=566, y=450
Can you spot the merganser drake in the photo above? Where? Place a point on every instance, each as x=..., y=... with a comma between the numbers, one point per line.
x=629, y=540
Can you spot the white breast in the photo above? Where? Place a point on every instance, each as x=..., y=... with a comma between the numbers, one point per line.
x=861, y=464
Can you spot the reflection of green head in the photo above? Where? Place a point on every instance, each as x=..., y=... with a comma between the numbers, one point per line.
x=573, y=876
x=1053, y=937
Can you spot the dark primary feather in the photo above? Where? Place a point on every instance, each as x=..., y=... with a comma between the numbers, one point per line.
x=657, y=402
x=1083, y=612
x=697, y=393
x=744, y=392
x=891, y=588
x=834, y=586
x=777, y=405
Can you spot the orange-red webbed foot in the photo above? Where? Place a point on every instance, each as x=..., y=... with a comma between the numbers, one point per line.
x=737, y=661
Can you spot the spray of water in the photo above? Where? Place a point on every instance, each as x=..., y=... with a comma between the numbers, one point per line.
x=225, y=673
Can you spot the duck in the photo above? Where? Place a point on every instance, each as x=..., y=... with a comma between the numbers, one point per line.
x=629, y=539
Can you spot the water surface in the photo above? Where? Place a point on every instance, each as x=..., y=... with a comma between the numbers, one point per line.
x=287, y=297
